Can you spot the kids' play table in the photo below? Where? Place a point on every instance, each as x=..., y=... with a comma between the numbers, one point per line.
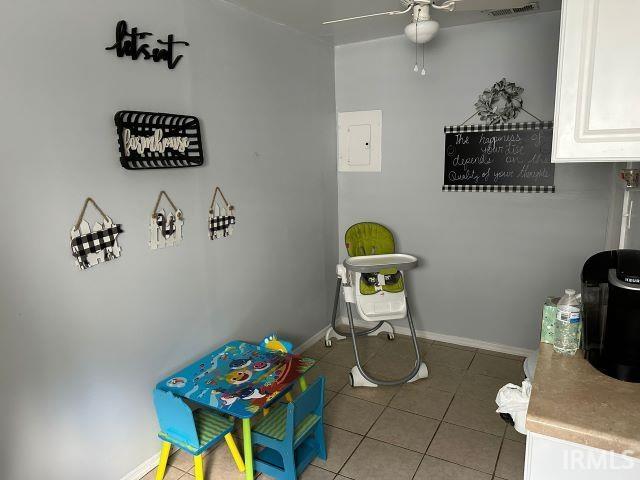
x=239, y=379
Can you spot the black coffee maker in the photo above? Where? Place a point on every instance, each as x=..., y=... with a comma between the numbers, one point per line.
x=611, y=313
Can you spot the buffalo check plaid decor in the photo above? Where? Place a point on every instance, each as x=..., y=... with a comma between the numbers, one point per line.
x=219, y=225
x=94, y=242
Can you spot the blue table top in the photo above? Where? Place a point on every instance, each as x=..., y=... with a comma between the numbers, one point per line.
x=238, y=378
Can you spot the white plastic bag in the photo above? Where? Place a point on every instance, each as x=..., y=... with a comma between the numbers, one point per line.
x=514, y=400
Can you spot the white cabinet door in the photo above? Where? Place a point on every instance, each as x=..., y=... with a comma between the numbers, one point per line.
x=597, y=112
x=549, y=458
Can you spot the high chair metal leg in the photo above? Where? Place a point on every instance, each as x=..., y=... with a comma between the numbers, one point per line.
x=419, y=370
x=199, y=471
x=235, y=453
x=164, y=458
x=334, y=332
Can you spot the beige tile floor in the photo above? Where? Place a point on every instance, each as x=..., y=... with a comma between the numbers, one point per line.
x=440, y=428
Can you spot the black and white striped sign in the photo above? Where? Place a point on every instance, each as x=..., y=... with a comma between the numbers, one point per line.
x=499, y=188
x=511, y=158
x=158, y=140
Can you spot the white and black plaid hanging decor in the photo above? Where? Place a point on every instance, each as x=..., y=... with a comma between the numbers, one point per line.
x=165, y=229
x=91, y=246
x=221, y=216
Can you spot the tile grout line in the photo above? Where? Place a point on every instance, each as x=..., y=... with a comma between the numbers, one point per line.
x=440, y=421
x=495, y=466
x=365, y=436
x=425, y=452
x=382, y=441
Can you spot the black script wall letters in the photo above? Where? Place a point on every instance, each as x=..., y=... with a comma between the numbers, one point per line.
x=129, y=43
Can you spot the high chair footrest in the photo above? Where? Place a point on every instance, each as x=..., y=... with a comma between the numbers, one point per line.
x=274, y=424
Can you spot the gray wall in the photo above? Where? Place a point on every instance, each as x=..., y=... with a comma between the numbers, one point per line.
x=81, y=351
x=489, y=260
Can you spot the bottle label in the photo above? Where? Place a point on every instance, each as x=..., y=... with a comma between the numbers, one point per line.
x=574, y=317
x=569, y=316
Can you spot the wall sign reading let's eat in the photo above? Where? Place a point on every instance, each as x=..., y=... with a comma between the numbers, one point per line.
x=128, y=44
x=158, y=140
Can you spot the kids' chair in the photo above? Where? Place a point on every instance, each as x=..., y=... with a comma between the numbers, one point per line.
x=292, y=435
x=193, y=431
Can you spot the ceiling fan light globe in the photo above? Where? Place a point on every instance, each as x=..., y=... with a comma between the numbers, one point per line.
x=421, y=32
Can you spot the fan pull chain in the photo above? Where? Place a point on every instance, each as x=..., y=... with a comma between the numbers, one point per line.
x=415, y=68
x=424, y=70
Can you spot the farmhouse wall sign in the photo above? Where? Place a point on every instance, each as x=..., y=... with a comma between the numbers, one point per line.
x=130, y=44
x=158, y=140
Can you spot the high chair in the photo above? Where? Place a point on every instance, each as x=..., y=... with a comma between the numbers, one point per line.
x=372, y=281
x=193, y=431
x=292, y=435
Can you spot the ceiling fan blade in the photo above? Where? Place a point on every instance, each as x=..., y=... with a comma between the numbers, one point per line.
x=395, y=12
x=477, y=5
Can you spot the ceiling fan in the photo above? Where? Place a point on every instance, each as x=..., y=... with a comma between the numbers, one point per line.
x=422, y=28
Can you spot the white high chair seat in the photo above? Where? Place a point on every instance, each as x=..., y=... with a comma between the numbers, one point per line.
x=382, y=305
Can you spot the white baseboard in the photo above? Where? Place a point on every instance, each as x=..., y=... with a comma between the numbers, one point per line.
x=313, y=339
x=465, y=342
x=144, y=468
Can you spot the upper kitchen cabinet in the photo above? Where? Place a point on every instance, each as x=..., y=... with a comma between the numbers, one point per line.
x=597, y=111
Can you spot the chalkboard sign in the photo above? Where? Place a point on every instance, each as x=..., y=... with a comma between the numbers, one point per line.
x=513, y=157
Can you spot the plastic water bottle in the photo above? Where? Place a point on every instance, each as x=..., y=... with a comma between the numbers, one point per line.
x=567, y=328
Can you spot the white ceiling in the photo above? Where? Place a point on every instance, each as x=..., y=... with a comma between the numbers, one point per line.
x=307, y=16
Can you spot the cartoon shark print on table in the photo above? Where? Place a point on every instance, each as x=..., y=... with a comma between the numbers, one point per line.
x=192, y=391
x=213, y=399
x=238, y=379
x=239, y=363
x=261, y=366
x=177, y=382
x=211, y=369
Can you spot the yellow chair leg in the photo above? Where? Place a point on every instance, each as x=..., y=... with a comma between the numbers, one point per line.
x=164, y=457
x=199, y=471
x=303, y=383
x=288, y=397
x=235, y=453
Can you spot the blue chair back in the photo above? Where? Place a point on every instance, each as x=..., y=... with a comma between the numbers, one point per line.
x=175, y=418
x=308, y=402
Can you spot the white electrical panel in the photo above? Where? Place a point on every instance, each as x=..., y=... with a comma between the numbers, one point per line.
x=360, y=141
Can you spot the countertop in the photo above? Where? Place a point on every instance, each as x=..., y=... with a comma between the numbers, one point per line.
x=573, y=401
